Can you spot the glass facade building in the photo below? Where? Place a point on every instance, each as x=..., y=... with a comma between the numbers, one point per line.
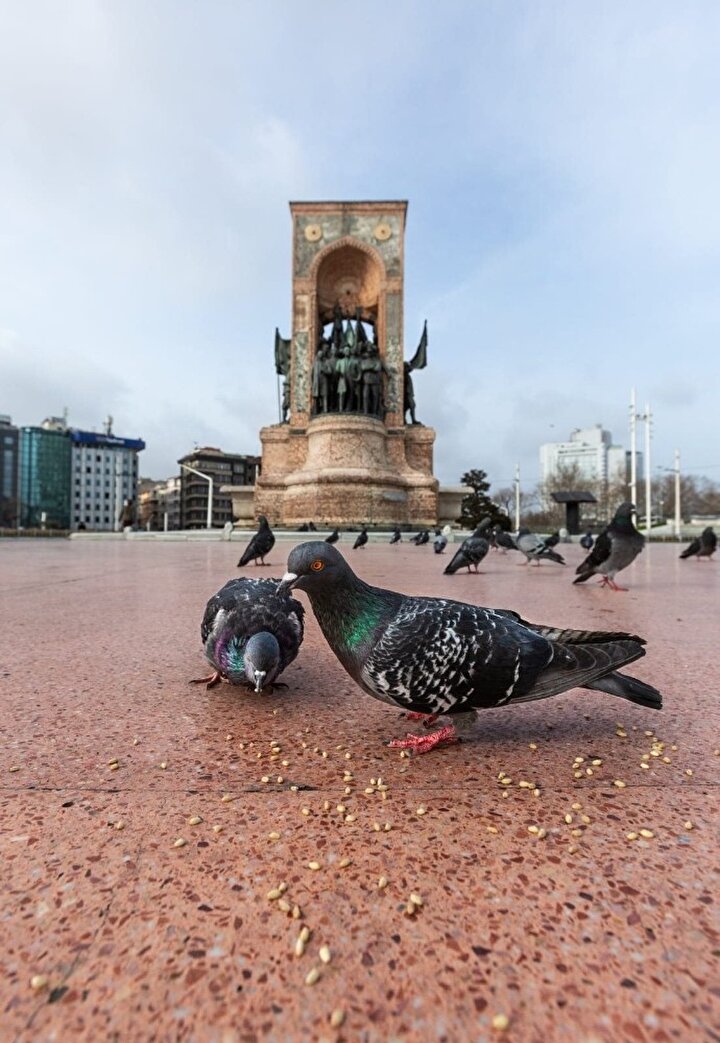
x=44, y=478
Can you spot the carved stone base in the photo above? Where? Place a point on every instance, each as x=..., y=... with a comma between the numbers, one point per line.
x=347, y=470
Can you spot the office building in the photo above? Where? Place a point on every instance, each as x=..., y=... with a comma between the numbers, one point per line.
x=589, y=454
x=224, y=469
x=9, y=473
x=44, y=478
x=104, y=477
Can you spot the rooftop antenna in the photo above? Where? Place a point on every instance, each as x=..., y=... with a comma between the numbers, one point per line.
x=108, y=424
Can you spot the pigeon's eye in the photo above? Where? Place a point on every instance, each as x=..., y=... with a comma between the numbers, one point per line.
x=317, y=565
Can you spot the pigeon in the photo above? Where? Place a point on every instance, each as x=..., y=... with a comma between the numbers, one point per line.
x=703, y=546
x=261, y=544
x=553, y=539
x=504, y=540
x=311, y=527
x=470, y=552
x=251, y=631
x=420, y=538
x=333, y=537
x=587, y=540
x=439, y=543
x=362, y=539
x=396, y=536
x=534, y=548
x=434, y=656
x=616, y=547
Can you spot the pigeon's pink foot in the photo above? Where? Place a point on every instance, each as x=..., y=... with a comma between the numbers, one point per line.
x=413, y=715
x=424, y=743
x=607, y=582
x=210, y=681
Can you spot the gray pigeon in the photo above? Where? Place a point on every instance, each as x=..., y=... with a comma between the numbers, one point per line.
x=616, y=547
x=470, y=552
x=362, y=539
x=504, y=540
x=261, y=544
x=396, y=536
x=251, y=631
x=703, y=546
x=440, y=543
x=534, y=548
x=333, y=537
x=434, y=656
x=587, y=540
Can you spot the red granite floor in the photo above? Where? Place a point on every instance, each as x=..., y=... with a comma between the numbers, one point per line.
x=110, y=929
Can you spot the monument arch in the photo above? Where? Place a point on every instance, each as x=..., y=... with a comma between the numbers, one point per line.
x=343, y=453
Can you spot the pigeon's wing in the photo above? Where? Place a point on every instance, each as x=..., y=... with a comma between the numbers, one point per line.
x=476, y=547
x=235, y=593
x=284, y=617
x=440, y=656
x=565, y=636
x=551, y=555
x=624, y=548
x=529, y=543
x=597, y=557
x=458, y=561
x=254, y=548
x=693, y=548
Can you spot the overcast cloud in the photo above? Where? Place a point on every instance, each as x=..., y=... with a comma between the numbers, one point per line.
x=561, y=162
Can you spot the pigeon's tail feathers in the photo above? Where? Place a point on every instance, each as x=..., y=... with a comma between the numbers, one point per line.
x=691, y=550
x=582, y=665
x=584, y=572
x=629, y=688
x=247, y=556
x=553, y=556
x=457, y=562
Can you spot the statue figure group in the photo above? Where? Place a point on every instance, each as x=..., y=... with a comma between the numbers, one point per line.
x=347, y=371
x=349, y=382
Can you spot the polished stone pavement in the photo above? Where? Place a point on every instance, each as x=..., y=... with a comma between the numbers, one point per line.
x=109, y=931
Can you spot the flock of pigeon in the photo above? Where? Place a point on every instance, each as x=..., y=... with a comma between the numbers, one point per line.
x=428, y=656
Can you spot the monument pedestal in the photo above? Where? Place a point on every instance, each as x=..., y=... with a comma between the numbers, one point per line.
x=347, y=469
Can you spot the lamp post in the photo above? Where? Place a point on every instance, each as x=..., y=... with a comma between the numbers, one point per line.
x=517, y=497
x=678, y=518
x=208, y=479
x=675, y=471
x=647, y=418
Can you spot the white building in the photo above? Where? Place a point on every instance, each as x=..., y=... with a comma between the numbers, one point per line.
x=104, y=472
x=590, y=450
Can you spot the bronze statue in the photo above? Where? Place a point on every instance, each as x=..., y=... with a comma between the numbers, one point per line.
x=342, y=368
x=418, y=361
x=282, y=368
x=372, y=369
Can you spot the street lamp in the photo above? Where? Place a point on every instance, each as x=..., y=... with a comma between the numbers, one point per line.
x=676, y=471
x=208, y=479
x=634, y=417
x=516, y=482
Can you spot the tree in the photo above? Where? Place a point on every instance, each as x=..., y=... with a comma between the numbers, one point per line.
x=477, y=504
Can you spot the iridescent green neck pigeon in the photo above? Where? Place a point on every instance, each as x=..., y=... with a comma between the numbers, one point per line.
x=434, y=656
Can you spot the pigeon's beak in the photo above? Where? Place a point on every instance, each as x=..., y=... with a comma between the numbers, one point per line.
x=259, y=676
x=287, y=582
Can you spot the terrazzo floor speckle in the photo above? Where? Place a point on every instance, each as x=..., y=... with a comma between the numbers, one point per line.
x=535, y=904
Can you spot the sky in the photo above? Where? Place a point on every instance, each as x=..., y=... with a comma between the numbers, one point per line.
x=561, y=161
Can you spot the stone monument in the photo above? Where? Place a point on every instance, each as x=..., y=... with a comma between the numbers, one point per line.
x=343, y=452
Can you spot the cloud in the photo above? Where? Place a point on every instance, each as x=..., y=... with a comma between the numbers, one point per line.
x=561, y=166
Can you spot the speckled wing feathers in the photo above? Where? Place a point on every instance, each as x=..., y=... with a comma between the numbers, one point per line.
x=442, y=656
